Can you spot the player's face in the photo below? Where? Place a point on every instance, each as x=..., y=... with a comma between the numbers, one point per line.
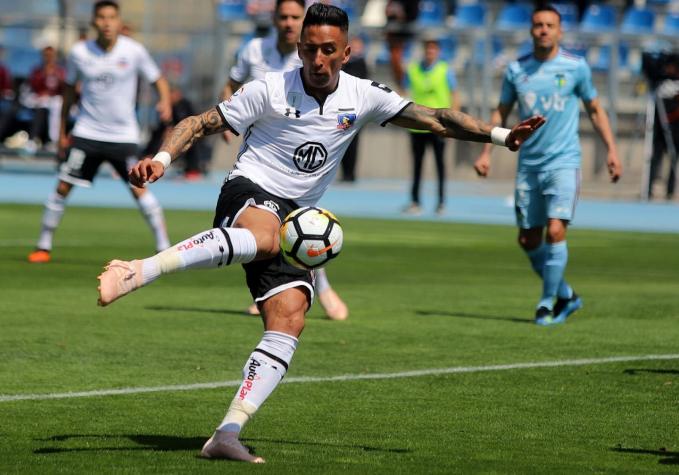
x=323, y=50
x=431, y=52
x=288, y=20
x=107, y=23
x=546, y=30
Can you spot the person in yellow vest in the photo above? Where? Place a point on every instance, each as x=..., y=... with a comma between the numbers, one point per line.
x=430, y=82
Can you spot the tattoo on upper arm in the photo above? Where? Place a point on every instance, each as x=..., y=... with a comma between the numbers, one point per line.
x=186, y=132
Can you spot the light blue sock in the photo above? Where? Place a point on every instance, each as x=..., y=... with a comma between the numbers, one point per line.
x=556, y=258
x=537, y=258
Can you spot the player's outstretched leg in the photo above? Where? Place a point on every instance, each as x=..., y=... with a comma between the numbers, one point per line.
x=51, y=217
x=210, y=249
x=333, y=305
x=264, y=369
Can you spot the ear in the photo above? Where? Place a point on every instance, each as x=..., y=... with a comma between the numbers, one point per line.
x=347, y=54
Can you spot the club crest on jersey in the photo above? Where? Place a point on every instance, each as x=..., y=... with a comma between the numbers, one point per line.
x=310, y=156
x=344, y=121
x=560, y=79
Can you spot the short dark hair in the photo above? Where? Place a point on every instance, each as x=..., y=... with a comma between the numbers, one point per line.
x=301, y=3
x=102, y=4
x=322, y=14
x=546, y=7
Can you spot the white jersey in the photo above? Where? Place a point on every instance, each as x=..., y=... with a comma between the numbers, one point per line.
x=260, y=56
x=293, y=145
x=109, y=88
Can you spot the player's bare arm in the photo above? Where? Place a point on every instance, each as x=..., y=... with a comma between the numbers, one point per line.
x=69, y=98
x=458, y=125
x=599, y=118
x=183, y=136
x=498, y=118
x=164, y=105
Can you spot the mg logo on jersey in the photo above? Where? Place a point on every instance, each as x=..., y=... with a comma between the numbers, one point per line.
x=310, y=157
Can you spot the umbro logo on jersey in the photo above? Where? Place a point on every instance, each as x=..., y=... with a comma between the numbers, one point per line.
x=289, y=112
x=310, y=157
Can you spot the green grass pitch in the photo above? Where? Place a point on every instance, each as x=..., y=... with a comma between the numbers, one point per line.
x=421, y=295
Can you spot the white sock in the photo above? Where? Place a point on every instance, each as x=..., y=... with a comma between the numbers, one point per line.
x=321, y=283
x=263, y=371
x=209, y=249
x=51, y=217
x=153, y=213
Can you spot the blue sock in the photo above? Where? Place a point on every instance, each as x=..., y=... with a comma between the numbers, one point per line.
x=556, y=258
x=537, y=258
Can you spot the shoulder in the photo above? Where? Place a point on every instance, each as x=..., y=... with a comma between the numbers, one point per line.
x=128, y=44
x=81, y=47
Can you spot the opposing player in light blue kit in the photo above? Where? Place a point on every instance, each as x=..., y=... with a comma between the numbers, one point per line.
x=549, y=82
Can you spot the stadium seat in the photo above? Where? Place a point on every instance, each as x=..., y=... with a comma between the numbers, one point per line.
x=471, y=15
x=638, y=21
x=448, y=48
x=671, y=26
x=569, y=15
x=514, y=17
x=478, y=55
x=231, y=10
x=432, y=13
x=598, y=19
x=21, y=60
x=602, y=62
x=348, y=6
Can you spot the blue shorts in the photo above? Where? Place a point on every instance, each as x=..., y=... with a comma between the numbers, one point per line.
x=540, y=196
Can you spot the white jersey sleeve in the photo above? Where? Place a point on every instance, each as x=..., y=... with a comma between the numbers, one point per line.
x=241, y=71
x=381, y=104
x=245, y=106
x=147, y=66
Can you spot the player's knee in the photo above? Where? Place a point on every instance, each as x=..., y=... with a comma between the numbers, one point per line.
x=268, y=243
x=285, y=312
x=556, y=231
x=529, y=241
x=64, y=188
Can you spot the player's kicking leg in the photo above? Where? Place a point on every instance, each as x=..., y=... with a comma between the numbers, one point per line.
x=264, y=369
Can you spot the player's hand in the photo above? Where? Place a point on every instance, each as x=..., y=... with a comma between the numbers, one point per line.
x=614, y=166
x=146, y=171
x=62, y=146
x=164, y=109
x=482, y=165
x=522, y=131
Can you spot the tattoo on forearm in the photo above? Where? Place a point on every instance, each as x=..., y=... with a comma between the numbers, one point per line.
x=186, y=132
x=445, y=122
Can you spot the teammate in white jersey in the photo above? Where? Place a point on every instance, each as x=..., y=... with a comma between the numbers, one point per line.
x=106, y=128
x=278, y=52
x=296, y=126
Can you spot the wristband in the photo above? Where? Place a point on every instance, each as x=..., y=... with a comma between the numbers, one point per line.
x=498, y=136
x=164, y=158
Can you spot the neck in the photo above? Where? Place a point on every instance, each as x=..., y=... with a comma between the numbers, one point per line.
x=285, y=48
x=545, y=54
x=105, y=44
x=320, y=94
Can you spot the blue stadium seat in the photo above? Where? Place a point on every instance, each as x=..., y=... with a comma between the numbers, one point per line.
x=671, y=26
x=638, y=21
x=470, y=15
x=478, y=55
x=448, y=48
x=348, y=6
x=231, y=10
x=21, y=60
x=598, y=19
x=432, y=13
x=514, y=16
x=602, y=62
x=569, y=15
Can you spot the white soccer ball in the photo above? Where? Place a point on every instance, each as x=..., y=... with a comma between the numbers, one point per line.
x=310, y=237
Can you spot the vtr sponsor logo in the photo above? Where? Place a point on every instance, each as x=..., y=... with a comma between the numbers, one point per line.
x=310, y=157
x=196, y=241
x=249, y=379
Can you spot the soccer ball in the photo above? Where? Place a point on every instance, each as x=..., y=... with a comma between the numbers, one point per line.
x=310, y=237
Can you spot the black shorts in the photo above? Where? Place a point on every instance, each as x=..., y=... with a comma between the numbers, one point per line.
x=269, y=277
x=85, y=156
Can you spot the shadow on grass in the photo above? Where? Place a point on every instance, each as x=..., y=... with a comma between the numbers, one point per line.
x=476, y=316
x=167, y=443
x=634, y=371
x=666, y=457
x=224, y=311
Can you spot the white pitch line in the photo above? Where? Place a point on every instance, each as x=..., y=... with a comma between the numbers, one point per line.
x=345, y=377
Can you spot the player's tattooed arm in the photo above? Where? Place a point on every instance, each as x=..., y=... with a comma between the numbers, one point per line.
x=444, y=122
x=189, y=130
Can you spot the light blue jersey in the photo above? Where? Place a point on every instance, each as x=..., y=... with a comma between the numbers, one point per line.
x=552, y=89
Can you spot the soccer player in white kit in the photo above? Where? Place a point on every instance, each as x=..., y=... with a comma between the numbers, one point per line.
x=296, y=127
x=106, y=128
x=278, y=52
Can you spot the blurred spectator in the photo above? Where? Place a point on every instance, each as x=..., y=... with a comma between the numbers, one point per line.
x=6, y=84
x=431, y=82
x=44, y=99
x=665, y=131
x=401, y=15
x=356, y=66
x=192, y=159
